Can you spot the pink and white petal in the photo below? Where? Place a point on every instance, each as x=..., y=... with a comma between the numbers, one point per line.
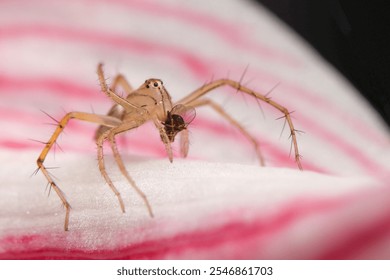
x=218, y=203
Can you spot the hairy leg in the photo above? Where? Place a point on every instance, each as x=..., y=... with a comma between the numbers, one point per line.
x=116, y=110
x=100, y=119
x=236, y=85
x=110, y=93
x=110, y=136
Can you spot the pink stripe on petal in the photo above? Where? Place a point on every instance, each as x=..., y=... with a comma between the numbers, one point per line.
x=236, y=36
x=101, y=39
x=358, y=242
x=344, y=146
x=12, y=85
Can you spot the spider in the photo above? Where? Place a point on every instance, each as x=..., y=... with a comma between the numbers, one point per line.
x=151, y=102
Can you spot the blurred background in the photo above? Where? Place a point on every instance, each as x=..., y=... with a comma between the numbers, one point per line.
x=352, y=35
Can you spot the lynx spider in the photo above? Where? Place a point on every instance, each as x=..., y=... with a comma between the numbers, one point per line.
x=152, y=102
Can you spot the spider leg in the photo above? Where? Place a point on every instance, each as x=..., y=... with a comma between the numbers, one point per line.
x=164, y=138
x=110, y=136
x=232, y=121
x=102, y=168
x=110, y=93
x=116, y=111
x=227, y=82
x=184, y=143
x=121, y=81
x=122, y=106
x=100, y=119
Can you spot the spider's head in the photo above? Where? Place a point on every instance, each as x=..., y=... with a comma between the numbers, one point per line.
x=155, y=89
x=173, y=124
x=154, y=83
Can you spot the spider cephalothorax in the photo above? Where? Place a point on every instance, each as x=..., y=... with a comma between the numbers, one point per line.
x=152, y=102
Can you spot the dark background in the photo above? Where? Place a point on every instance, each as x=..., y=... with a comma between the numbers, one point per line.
x=353, y=35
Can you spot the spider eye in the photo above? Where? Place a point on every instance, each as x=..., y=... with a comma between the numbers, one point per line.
x=155, y=84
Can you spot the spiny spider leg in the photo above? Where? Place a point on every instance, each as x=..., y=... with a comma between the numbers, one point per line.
x=110, y=136
x=226, y=82
x=116, y=110
x=232, y=121
x=115, y=97
x=93, y=118
x=120, y=80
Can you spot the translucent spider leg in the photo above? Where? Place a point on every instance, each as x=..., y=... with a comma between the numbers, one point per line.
x=115, y=97
x=116, y=110
x=184, y=143
x=168, y=147
x=100, y=119
x=232, y=121
x=120, y=80
x=226, y=82
x=110, y=136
